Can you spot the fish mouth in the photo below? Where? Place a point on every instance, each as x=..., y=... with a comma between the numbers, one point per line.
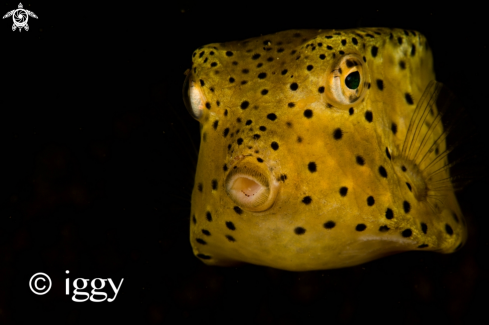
x=250, y=186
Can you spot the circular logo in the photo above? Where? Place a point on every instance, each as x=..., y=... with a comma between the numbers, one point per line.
x=40, y=283
x=20, y=17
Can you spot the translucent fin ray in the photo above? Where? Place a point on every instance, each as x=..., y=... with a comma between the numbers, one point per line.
x=438, y=111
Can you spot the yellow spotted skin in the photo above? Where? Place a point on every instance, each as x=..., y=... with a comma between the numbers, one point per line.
x=340, y=173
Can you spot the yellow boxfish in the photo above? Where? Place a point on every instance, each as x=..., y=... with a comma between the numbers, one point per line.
x=320, y=149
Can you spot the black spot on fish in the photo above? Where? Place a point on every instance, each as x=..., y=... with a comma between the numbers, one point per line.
x=406, y=206
x=204, y=257
x=201, y=241
x=329, y=224
x=245, y=104
x=394, y=128
x=374, y=50
x=337, y=134
x=230, y=225
x=312, y=167
x=448, y=229
x=407, y=233
x=272, y=116
x=360, y=227
x=380, y=84
x=369, y=116
x=360, y=160
x=424, y=228
x=409, y=99
x=370, y=201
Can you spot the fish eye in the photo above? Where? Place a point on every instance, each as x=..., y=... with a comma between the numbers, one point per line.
x=352, y=81
x=193, y=98
x=346, y=81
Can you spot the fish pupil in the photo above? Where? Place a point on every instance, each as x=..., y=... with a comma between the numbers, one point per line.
x=352, y=81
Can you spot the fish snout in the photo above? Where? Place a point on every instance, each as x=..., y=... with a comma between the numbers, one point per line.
x=251, y=185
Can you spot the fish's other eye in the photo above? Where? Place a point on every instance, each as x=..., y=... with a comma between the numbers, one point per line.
x=352, y=81
x=346, y=81
x=193, y=98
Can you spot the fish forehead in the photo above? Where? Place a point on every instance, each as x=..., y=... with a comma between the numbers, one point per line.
x=242, y=71
x=295, y=50
x=334, y=166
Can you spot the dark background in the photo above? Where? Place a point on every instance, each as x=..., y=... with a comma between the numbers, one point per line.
x=98, y=162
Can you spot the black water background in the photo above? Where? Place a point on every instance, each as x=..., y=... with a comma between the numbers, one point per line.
x=97, y=172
